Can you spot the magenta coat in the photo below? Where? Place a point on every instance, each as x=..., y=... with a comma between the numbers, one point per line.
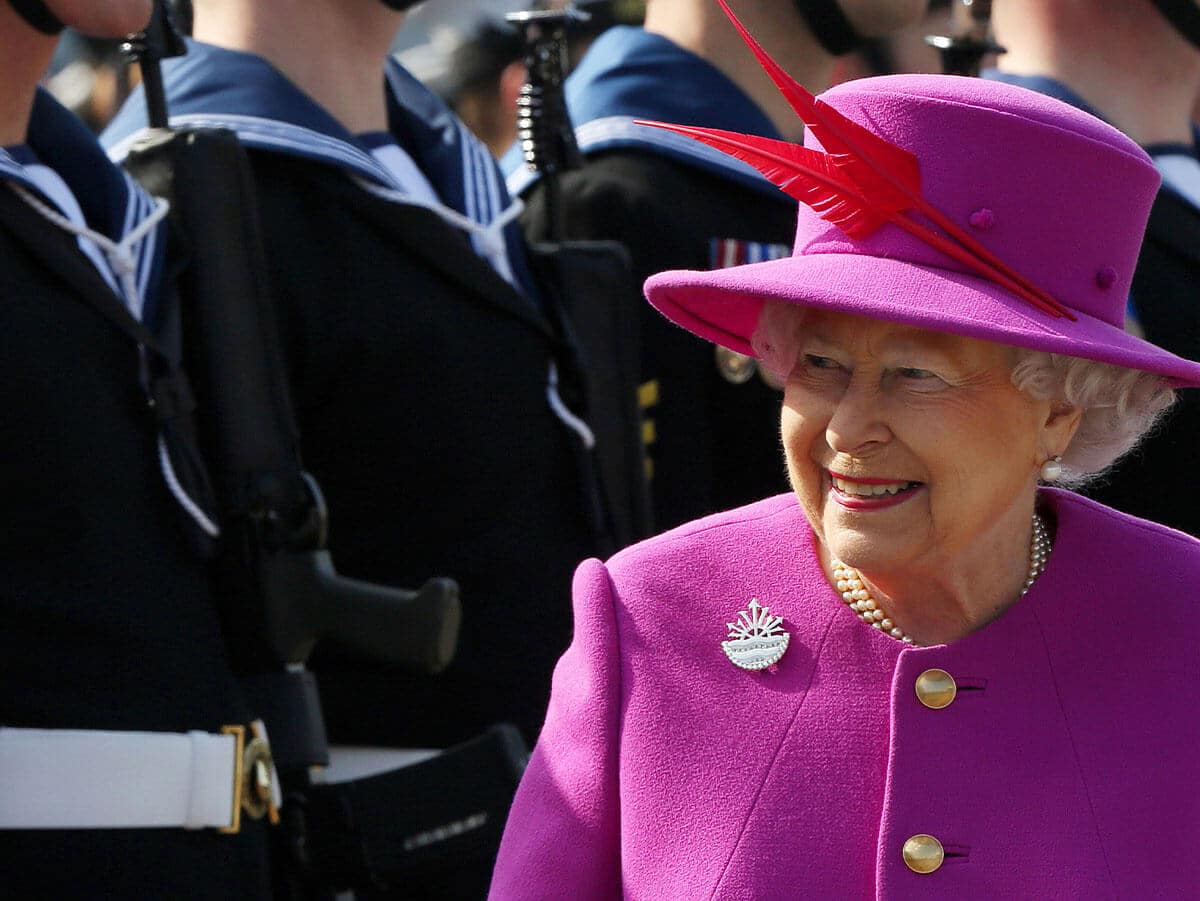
x=1066, y=767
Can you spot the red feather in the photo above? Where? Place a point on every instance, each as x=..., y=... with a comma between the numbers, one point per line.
x=814, y=179
x=893, y=178
x=808, y=175
x=889, y=175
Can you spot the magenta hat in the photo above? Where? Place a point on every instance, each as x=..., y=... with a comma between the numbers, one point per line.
x=1009, y=204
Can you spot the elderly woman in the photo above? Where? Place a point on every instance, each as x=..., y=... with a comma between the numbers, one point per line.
x=923, y=675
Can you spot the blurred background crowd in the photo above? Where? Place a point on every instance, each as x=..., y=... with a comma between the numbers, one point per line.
x=466, y=52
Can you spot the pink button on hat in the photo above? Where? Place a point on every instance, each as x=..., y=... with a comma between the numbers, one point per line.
x=954, y=204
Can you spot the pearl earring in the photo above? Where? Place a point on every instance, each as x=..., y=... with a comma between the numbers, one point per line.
x=1052, y=469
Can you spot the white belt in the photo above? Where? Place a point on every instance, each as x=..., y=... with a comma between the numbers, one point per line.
x=92, y=779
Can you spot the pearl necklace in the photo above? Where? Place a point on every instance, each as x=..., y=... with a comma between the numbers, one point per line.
x=854, y=592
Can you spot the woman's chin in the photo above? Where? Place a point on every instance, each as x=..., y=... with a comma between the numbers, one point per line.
x=871, y=547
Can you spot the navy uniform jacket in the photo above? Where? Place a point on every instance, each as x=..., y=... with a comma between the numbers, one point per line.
x=712, y=443
x=108, y=621
x=419, y=378
x=1154, y=481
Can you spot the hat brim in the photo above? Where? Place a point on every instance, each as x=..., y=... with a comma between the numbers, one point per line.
x=723, y=306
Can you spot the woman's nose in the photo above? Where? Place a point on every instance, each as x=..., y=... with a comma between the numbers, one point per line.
x=857, y=421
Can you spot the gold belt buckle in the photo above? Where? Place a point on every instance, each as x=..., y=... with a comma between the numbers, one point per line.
x=252, y=768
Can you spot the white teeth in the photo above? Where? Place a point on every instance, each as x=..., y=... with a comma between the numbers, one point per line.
x=859, y=489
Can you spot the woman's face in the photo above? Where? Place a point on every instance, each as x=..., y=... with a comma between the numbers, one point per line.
x=909, y=448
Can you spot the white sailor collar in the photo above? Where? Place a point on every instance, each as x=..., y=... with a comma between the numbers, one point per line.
x=213, y=87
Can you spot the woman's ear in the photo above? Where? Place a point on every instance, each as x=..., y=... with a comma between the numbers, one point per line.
x=1061, y=423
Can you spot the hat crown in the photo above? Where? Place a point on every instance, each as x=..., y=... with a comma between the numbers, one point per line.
x=1061, y=197
x=957, y=205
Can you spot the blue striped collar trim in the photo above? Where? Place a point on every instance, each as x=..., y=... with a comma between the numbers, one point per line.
x=213, y=87
x=138, y=206
x=112, y=202
x=274, y=135
x=220, y=88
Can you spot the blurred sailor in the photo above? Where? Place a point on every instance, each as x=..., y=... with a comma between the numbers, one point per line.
x=124, y=730
x=709, y=418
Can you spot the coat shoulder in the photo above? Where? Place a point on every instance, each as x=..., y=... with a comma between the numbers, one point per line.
x=1127, y=537
x=1144, y=573
x=723, y=538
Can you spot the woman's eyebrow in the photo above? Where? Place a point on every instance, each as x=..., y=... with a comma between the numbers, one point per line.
x=819, y=341
x=922, y=347
x=926, y=350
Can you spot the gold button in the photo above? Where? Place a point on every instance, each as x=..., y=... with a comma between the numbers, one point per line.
x=923, y=853
x=936, y=688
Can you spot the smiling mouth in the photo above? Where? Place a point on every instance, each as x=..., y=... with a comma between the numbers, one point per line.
x=867, y=489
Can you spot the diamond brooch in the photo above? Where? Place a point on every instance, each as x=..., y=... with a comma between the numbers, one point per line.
x=757, y=640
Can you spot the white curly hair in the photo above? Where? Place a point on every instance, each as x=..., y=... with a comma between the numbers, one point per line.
x=1120, y=406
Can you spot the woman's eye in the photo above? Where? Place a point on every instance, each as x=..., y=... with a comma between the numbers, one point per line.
x=915, y=379
x=817, y=362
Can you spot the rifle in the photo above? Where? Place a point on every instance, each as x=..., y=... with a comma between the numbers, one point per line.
x=544, y=129
x=590, y=279
x=274, y=547
x=271, y=504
